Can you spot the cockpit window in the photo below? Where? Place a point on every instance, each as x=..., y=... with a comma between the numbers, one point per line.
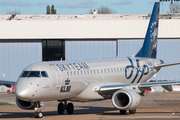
x=44, y=74
x=25, y=74
x=34, y=74
x=31, y=74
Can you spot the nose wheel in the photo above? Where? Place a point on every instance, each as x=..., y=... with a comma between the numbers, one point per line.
x=38, y=113
x=68, y=107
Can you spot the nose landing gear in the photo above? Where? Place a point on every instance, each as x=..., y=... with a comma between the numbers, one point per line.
x=68, y=107
x=38, y=113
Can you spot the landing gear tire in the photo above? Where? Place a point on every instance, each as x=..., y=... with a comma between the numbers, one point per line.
x=70, y=108
x=123, y=112
x=132, y=111
x=61, y=108
x=38, y=115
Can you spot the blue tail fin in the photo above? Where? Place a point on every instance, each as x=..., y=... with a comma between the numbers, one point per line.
x=149, y=48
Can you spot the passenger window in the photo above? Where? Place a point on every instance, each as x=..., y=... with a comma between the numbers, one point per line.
x=78, y=72
x=68, y=73
x=97, y=71
x=44, y=74
x=94, y=71
x=71, y=72
x=91, y=71
x=118, y=69
x=74, y=72
x=84, y=72
x=105, y=70
x=114, y=69
x=81, y=72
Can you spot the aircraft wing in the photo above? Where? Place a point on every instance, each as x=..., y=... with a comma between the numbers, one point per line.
x=7, y=83
x=165, y=65
x=140, y=86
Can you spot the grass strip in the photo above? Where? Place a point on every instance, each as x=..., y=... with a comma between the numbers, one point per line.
x=4, y=103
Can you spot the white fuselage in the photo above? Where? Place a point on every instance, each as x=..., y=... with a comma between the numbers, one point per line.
x=76, y=80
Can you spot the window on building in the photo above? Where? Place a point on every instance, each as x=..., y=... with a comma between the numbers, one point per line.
x=53, y=50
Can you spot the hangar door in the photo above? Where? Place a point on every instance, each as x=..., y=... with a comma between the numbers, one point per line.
x=53, y=50
x=90, y=49
x=17, y=55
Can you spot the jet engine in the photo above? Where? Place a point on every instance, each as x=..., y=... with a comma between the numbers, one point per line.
x=126, y=99
x=24, y=104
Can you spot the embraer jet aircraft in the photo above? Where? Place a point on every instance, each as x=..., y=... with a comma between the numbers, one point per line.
x=123, y=80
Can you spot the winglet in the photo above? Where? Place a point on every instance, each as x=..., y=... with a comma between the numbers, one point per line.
x=149, y=48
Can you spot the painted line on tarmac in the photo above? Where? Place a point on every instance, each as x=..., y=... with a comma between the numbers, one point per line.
x=163, y=99
x=146, y=117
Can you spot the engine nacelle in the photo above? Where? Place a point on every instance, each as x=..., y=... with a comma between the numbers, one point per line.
x=24, y=104
x=126, y=99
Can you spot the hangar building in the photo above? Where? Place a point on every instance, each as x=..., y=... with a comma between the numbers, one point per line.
x=28, y=39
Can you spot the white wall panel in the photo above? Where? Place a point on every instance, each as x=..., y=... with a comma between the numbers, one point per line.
x=85, y=29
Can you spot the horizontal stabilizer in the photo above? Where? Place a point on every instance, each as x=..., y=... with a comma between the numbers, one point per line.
x=165, y=65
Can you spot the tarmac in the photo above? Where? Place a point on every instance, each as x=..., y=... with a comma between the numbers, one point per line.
x=154, y=105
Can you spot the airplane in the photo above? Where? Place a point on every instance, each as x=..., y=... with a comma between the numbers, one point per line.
x=123, y=80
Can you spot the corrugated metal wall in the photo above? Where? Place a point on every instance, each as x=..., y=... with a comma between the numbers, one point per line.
x=168, y=51
x=90, y=49
x=16, y=55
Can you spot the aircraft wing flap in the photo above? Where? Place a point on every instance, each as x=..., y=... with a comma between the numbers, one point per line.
x=112, y=88
x=153, y=84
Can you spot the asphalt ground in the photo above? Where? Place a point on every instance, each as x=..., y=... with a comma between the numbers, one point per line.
x=156, y=106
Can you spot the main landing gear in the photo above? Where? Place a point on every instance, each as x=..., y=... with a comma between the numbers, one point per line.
x=123, y=112
x=68, y=107
x=38, y=113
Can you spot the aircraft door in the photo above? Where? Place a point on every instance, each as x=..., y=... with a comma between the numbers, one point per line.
x=58, y=75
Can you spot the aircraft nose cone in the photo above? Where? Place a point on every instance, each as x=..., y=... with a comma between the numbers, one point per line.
x=21, y=94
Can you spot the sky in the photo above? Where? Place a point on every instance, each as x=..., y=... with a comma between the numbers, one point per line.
x=80, y=6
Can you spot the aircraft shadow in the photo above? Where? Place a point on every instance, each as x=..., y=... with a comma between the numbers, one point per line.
x=79, y=111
